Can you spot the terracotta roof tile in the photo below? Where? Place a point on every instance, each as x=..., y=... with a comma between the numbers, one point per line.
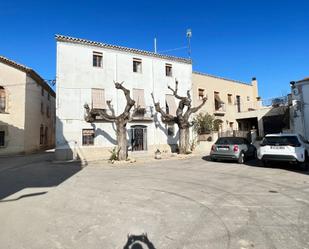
x=63, y=38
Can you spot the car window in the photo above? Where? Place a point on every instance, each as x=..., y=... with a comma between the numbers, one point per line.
x=281, y=140
x=230, y=140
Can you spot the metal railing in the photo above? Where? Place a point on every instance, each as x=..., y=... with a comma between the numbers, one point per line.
x=142, y=113
x=219, y=109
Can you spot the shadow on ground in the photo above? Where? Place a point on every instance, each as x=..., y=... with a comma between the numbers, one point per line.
x=275, y=165
x=34, y=171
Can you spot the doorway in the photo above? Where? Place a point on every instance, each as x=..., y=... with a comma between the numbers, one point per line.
x=138, y=137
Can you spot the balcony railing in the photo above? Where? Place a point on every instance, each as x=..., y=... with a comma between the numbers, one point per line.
x=220, y=109
x=142, y=114
x=248, y=106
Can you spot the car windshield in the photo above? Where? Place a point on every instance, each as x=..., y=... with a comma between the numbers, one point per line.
x=231, y=140
x=282, y=140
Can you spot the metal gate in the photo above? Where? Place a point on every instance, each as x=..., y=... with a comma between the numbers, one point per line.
x=138, y=137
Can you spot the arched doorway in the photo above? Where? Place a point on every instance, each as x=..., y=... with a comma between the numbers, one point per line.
x=138, y=137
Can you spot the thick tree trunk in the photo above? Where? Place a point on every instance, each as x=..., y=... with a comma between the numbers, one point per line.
x=182, y=141
x=122, y=140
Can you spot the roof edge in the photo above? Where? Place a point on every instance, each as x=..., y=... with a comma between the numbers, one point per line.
x=222, y=78
x=33, y=74
x=63, y=38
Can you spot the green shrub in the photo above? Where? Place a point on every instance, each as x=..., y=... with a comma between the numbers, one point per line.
x=203, y=123
x=114, y=154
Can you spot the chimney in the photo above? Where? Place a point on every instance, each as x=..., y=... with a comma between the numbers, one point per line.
x=255, y=89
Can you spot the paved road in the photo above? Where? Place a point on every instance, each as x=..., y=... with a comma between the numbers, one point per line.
x=190, y=203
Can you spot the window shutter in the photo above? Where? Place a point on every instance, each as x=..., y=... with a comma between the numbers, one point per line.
x=98, y=98
x=139, y=98
x=170, y=101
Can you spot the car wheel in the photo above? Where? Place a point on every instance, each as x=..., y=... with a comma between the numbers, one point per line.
x=241, y=158
x=255, y=154
x=213, y=159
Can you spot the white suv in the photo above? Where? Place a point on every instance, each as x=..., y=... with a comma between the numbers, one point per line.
x=284, y=147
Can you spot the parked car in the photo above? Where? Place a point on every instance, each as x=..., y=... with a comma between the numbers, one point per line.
x=232, y=148
x=284, y=147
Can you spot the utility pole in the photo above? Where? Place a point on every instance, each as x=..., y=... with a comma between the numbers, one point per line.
x=189, y=35
x=155, y=45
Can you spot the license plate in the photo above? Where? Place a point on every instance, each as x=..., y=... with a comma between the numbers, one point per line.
x=223, y=148
x=277, y=147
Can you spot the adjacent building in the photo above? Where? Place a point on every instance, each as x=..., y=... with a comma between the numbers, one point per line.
x=238, y=106
x=227, y=100
x=27, y=110
x=86, y=71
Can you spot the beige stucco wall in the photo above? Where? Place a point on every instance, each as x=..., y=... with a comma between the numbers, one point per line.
x=34, y=118
x=12, y=121
x=22, y=118
x=248, y=94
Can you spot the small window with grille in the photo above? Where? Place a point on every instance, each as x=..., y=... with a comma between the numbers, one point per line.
x=88, y=137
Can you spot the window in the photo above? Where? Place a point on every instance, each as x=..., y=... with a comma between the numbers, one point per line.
x=218, y=102
x=200, y=93
x=230, y=99
x=139, y=98
x=97, y=59
x=248, y=98
x=2, y=99
x=137, y=65
x=42, y=108
x=42, y=91
x=48, y=96
x=98, y=98
x=2, y=138
x=170, y=104
x=47, y=111
x=238, y=103
x=41, y=135
x=88, y=136
x=46, y=136
x=168, y=70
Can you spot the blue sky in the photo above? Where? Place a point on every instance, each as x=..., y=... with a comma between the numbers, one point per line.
x=233, y=39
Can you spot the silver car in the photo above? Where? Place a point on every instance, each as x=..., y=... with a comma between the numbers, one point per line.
x=232, y=148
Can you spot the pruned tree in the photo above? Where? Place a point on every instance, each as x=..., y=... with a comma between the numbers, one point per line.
x=120, y=120
x=182, y=118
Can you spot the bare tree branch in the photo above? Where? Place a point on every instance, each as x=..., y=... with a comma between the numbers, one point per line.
x=130, y=101
x=175, y=92
x=195, y=109
x=166, y=118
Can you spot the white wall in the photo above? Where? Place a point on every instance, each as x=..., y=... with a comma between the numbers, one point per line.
x=76, y=76
x=300, y=109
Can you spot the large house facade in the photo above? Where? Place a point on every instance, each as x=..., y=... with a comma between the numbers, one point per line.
x=27, y=110
x=86, y=72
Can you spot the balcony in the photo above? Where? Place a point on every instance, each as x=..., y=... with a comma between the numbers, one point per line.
x=248, y=106
x=219, y=109
x=142, y=114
